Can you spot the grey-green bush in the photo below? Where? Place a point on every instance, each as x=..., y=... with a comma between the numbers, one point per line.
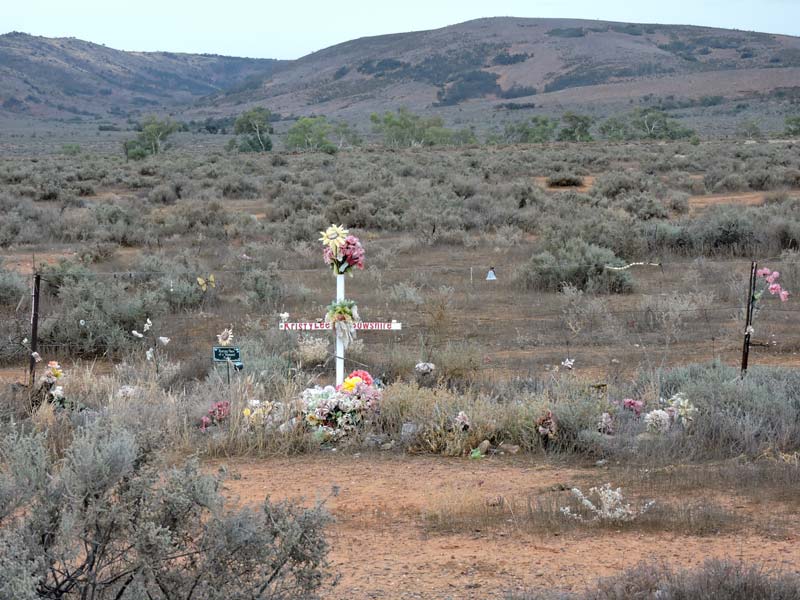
x=107, y=521
x=576, y=263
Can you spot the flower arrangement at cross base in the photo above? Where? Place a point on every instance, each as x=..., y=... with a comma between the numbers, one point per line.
x=343, y=315
x=334, y=412
x=51, y=389
x=342, y=252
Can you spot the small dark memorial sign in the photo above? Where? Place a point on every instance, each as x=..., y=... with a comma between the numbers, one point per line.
x=226, y=353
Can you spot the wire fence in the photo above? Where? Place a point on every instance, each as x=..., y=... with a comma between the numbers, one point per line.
x=457, y=318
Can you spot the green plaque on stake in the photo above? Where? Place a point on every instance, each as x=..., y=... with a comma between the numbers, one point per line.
x=226, y=353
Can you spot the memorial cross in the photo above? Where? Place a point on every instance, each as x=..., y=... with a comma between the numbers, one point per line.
x=323, y=326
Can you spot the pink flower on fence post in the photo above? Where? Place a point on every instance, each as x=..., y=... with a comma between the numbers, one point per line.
x=784, y=294
x=774, y=288
x=773, y=277
x=764, y=272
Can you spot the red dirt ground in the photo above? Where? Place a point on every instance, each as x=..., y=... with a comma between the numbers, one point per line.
x=700, y=203
x=381, y=549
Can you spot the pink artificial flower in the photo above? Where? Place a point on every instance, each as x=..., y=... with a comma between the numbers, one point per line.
x=327, y=255
x=784, y=295
x=365, y=377
x=774, y=288
x=764, y=272
x=204, y=423
x=773, y=277
x=635, y=405
x=353, y=252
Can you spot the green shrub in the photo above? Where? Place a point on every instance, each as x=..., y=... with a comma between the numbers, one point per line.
x=578, y=264
x=108, y=521
x=12, y=287
x=263, y=286
x=564, y=180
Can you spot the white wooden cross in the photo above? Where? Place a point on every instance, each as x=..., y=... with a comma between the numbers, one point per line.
x=315, y=326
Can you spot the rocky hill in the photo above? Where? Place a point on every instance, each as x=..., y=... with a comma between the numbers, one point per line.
x=511, y=60
x=459, y=71
x=67, y=77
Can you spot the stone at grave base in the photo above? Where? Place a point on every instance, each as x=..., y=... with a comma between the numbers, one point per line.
x=376, y=440
x=408, y=431
x=388, y=445
x=508, y=448
x=484, y=446
x=426, y=380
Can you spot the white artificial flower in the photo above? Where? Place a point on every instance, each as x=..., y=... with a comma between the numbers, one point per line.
x=82, y=323
x=150, y=354
x=658, y=421
x=137, y=334
x=749, y=330
x=57, y=392
x=254, y=402
x=36, y=357
x=25, y=341
x=164, y=340
x=568, y=363
x=284, y=316
x=147, y=325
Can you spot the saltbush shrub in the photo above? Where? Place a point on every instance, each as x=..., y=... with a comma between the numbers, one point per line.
x=576, y=263
x=109, y=521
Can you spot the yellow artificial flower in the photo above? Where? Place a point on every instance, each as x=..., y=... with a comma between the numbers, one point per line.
x=349, y=384
x=246, y=412
x=312, y=419
x=334, y=237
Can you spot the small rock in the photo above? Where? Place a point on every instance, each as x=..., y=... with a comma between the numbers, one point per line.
x=388, y=445
x=376, y=440
x=508, y=448
x=600, y=463
x=408, y=431
x=484, y=446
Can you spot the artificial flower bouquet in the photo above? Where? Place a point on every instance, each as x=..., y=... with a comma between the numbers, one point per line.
x=335, y=411
x=342, y=252
x=343, y=316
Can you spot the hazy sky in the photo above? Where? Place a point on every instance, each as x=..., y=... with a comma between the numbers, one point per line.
x=292, y=28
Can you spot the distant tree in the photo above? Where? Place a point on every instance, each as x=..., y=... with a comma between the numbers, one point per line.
x=311, y=133
x=749, y=129
x=133, y=150
x=320, y=134
x=155, y=132
x=463, y=137
x=536, y=130
x=254, y=127
x=615, y=129
x=575, y=128
x=655, y=124
x=793, y=125
x=344, y=135
x=404, y=129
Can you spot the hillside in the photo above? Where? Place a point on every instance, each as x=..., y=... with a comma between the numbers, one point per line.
x=480, y=63
x=65, y=77
x=460, y=72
